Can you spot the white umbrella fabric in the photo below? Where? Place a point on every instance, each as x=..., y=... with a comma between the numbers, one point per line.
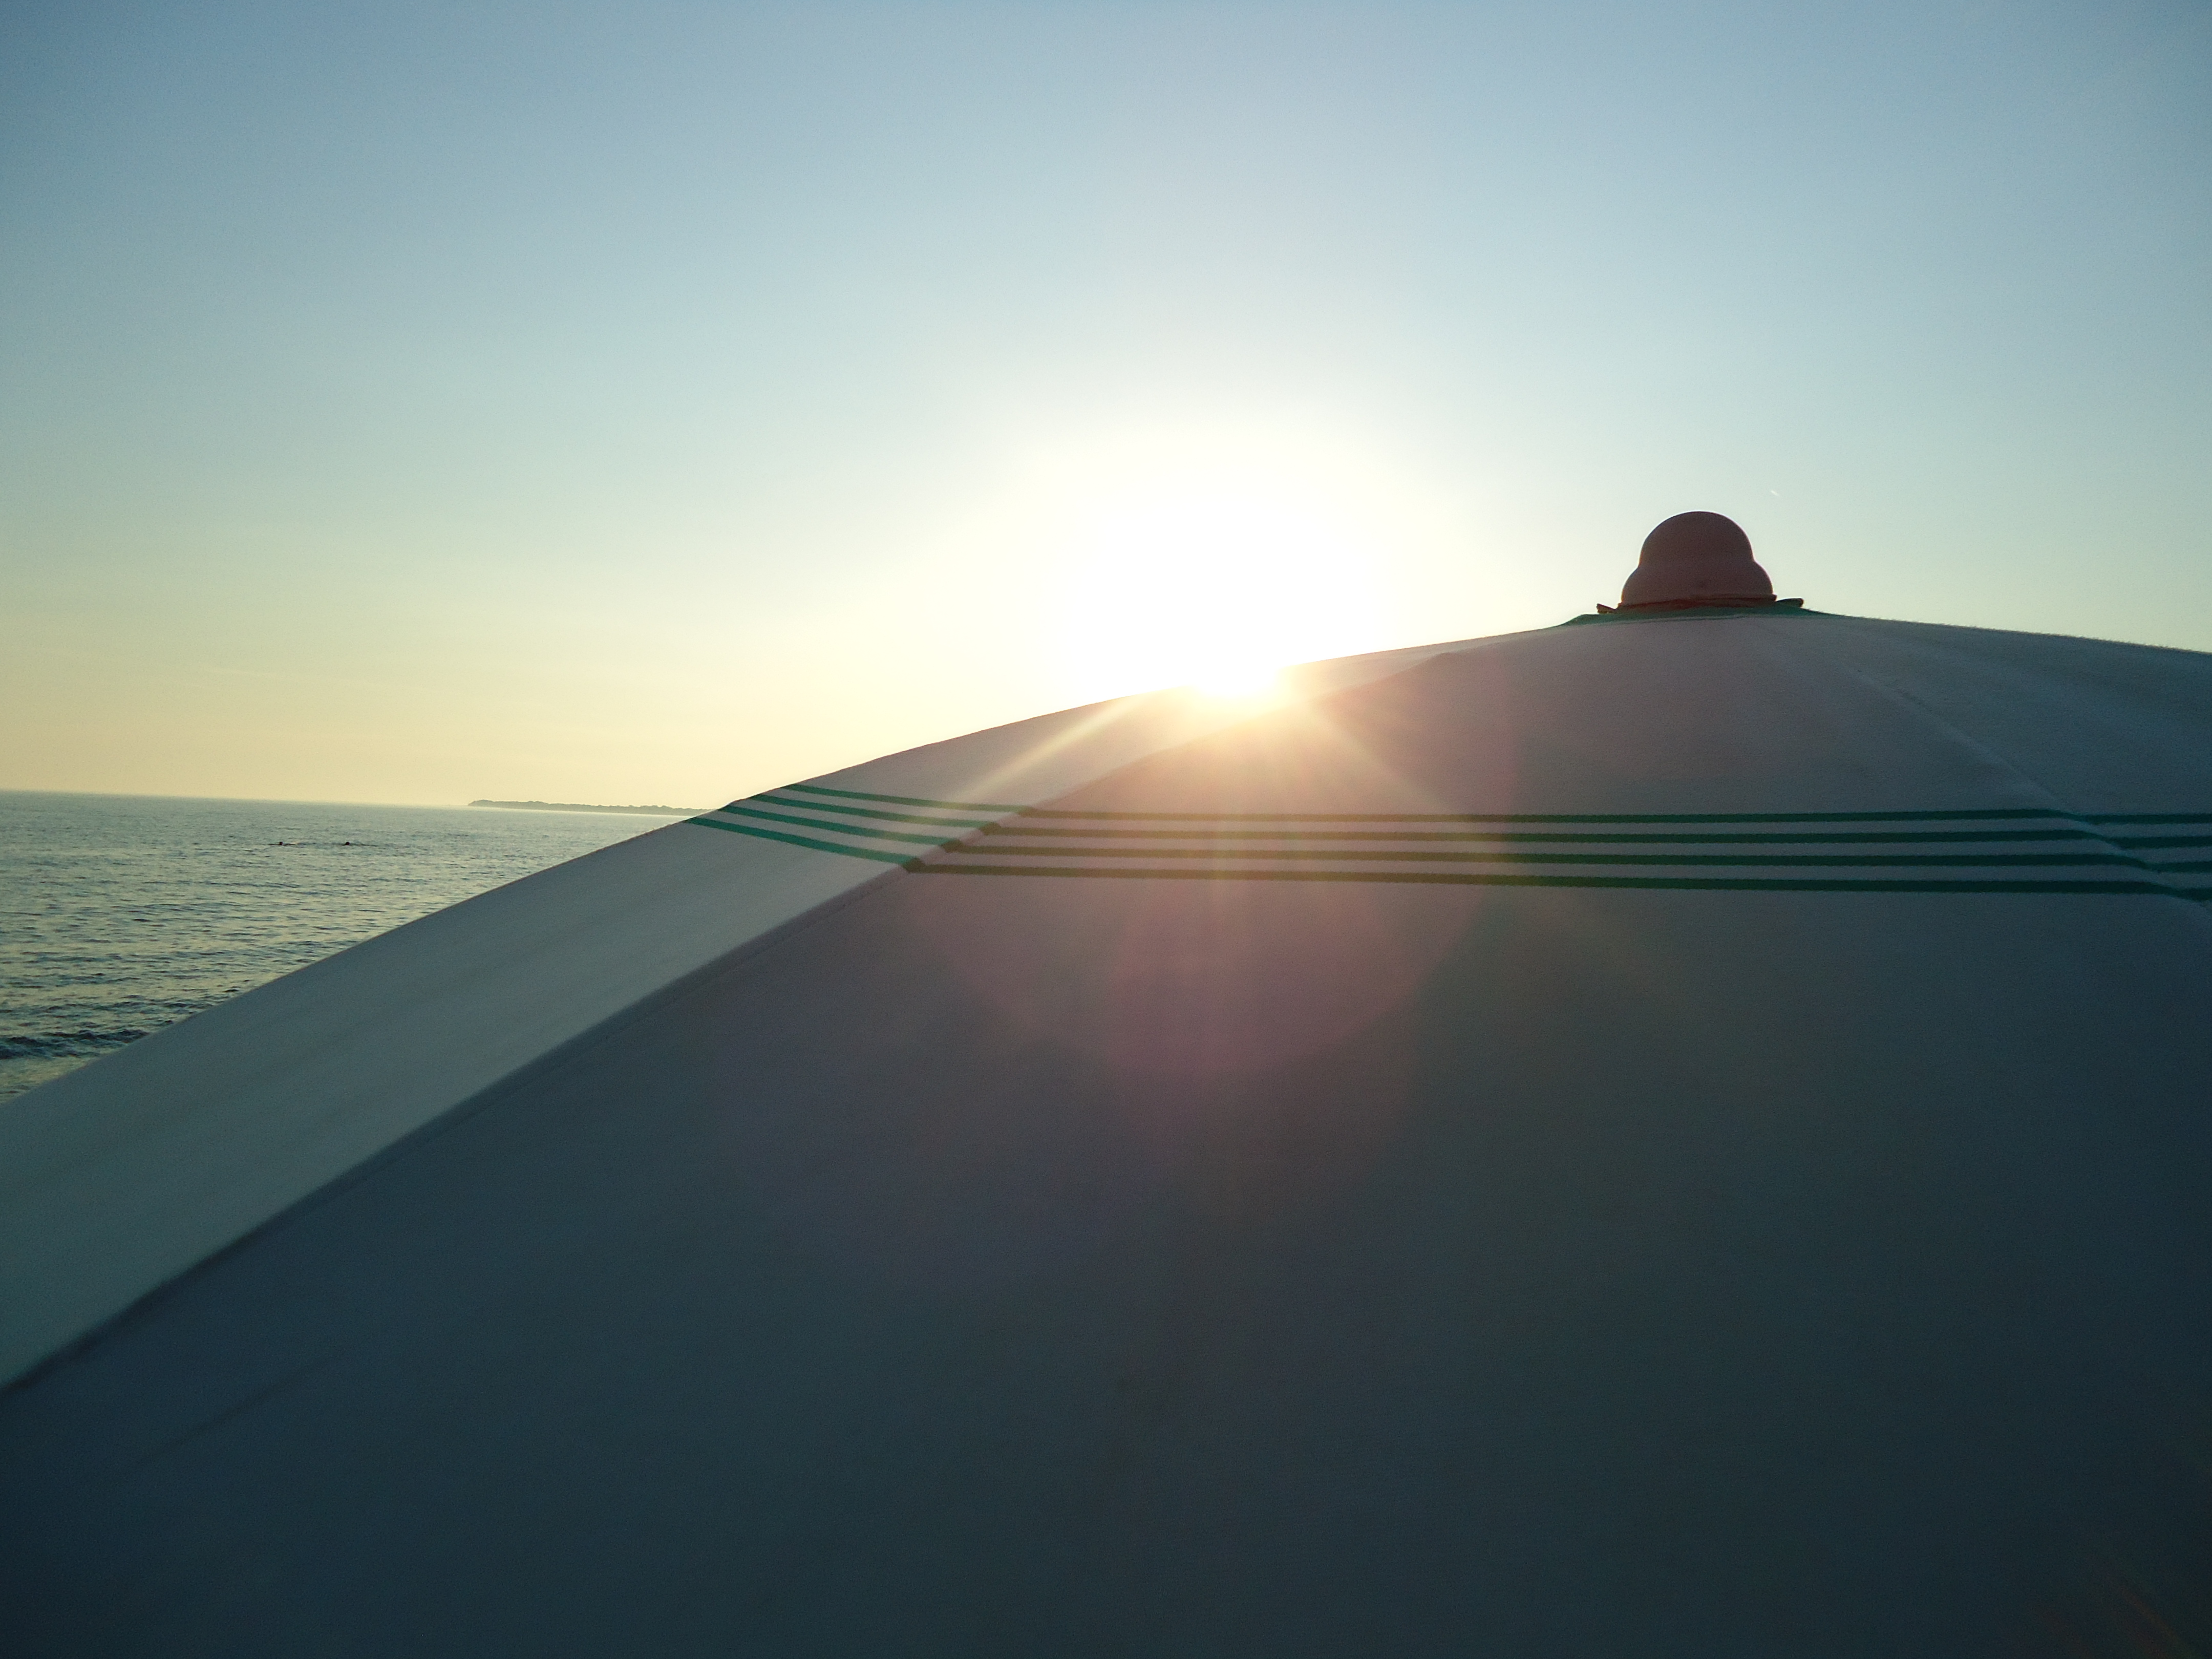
x=1684, y=1133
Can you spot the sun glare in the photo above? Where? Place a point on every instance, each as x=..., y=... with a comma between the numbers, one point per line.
x=1215, y=579
x=1237, y=679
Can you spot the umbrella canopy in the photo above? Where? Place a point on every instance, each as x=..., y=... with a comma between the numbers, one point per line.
x=1682, y=1132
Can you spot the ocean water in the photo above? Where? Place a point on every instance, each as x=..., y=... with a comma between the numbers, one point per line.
x=122, y=913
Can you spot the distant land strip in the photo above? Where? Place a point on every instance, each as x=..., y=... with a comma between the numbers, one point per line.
x=579, y=807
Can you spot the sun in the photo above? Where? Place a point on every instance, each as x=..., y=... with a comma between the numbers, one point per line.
x=1213, y=580
x=1230, y=678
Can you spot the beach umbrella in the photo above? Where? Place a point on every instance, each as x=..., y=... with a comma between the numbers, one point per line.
x=1684, y=1133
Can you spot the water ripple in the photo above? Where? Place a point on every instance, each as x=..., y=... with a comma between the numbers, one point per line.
x=120, y=914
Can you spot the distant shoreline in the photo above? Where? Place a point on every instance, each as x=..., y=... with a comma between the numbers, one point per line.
x=579, y=807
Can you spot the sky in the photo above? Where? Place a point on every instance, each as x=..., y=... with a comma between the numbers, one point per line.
x=656, y=403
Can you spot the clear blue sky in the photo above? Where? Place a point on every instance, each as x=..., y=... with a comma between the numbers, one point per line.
x=659, y=401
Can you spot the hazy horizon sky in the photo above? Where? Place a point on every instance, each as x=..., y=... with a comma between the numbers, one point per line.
x=661, y=401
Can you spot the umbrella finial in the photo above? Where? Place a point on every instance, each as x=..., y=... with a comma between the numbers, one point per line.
x=1696, y=559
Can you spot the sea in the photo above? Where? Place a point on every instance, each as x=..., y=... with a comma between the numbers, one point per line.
x=122, y=913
